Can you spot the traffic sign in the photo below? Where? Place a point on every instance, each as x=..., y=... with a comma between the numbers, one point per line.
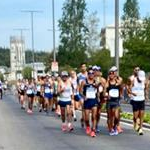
x=54, y=66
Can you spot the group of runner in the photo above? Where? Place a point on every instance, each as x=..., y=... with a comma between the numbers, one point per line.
x=87, y=91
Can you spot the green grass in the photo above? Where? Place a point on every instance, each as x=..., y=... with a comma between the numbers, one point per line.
x=130, y=116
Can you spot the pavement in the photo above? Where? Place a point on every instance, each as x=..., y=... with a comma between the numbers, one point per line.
x=20, y=131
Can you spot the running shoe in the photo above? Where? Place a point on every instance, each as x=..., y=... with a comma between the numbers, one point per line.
x=88, y=130
x=136, y=127
x=119, y=129
x=29, y=111
x=75, y=119
x=64, y=127
x=140, y=132
x=112, y=133
x=22, y=107
x=70, y=127
x=93, y=134
x=116, y=131
x=97, y=129
x=40, y=109
x=82, y=123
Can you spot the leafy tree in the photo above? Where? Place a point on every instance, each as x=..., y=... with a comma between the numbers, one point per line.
x=39, y=56
x=93, y=35
x=130, y=18
x=73, y=30
x=102, y=58
x=1, y=77
x=138, y=50
x=4, y=57
x=47, y=62
x=27, y=73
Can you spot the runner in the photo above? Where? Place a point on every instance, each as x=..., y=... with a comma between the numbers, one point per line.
x=65, y=97
x=18, y=91
x=138, y=91
x=76, y=97
x=1, y=90
x=89, y=91
x=119, y=81
x=48, y=93
x=55, y=94
x=21, y=89
x=82, y=76
x=39, y=99
x=113, y=87
x=30, y=96
x=100, y=81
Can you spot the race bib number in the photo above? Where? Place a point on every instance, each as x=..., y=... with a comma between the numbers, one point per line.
x=22, y=87
x=114, y=93
x=100, y=89
x=90, y=94
x=29, y=91
x=38, y=88
x=47, y=90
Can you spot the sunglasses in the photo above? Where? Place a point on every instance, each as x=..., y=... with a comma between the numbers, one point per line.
x=111, y=73
x=90, y=73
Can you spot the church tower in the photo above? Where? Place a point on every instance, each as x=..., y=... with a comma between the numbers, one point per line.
x=17, y=56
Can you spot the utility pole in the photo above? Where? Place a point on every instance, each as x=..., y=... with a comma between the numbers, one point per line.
x=32, y=34
x=117, y=34
x=104, y=13
x=54, y=49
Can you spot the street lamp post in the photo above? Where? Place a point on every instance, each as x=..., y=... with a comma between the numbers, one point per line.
x=53, y=12
x=117, y=34
x=32, y=34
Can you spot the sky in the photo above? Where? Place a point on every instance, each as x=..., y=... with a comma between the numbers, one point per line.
x=12, y=18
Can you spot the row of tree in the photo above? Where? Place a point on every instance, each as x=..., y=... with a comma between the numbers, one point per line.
x=40, y=56
x=80, y=40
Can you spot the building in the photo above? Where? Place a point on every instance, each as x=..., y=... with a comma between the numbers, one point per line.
x=108, y=40
x=5, y=71
x=39, y=68
x=17, y=56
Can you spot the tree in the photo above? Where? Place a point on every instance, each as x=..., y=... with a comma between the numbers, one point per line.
x=1, y=77
x=130, y=18
x=4, y=57
x=48, y=61
x=138, y=50
x=102, y=58
x=40, y=56
x=93, y=35
x=73, y=30
x=27, y=73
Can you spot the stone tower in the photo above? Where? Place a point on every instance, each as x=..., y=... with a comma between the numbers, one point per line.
x=17, y=56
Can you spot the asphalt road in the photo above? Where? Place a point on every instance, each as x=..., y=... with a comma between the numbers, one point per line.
x=20, y=131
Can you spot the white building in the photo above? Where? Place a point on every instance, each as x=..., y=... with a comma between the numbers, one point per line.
x=17, y=56
x=39, y=68
x=108, y=34
x=5, y=71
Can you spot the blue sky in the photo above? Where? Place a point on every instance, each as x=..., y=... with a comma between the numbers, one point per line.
x=12, y=18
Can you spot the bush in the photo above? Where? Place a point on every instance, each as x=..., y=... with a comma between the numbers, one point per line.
x=130, y=116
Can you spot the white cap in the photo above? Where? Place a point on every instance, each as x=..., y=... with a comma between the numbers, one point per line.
x=113, y=69
x=141, y=75
x=96, y=67
x=64, y=73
